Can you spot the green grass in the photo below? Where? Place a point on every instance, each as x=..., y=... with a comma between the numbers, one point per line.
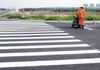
x=10, y=16
x=6, y=15
x=54, y=18
x=39, y=17
x=69, y=18
x=20, y=16
x=89, y=17
x=16, y=16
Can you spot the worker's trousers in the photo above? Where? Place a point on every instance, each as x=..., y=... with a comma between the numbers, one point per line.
x=81, y=21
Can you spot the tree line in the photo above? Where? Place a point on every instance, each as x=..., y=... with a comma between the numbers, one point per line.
x=58, y=9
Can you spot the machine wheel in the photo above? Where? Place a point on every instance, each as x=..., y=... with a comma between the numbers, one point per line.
x=78, y=26
x=72, y=25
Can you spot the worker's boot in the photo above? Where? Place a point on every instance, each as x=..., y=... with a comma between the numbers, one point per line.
x=81, y=26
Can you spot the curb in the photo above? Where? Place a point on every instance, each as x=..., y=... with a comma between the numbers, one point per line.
x=44, y=20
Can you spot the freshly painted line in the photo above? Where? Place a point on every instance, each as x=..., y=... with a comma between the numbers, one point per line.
x=88, y=28
x=42, y=41
x=49, y=62
x=44, y=46
x=49, y=37
x=35, y=34
x=21, y=54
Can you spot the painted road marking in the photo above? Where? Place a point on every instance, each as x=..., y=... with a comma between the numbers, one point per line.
x=36, y=34
x=44, y=46
x=49, y=37
x=49, y=62
x=88, y=28
x=42, y=41
x=48, y=53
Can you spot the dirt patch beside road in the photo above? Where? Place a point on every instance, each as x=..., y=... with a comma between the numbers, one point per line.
x=13, y=12
x=46, y=13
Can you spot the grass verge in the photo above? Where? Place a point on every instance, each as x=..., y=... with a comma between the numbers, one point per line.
x=41, y=17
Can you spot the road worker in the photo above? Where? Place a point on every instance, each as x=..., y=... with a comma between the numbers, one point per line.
x=81, y=14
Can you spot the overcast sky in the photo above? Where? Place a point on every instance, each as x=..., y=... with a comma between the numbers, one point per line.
x=44, y=3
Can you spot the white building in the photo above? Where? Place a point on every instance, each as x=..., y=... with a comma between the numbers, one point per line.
x=16, y=10
x=97, y=5
x=91, y=5
x=85, y=5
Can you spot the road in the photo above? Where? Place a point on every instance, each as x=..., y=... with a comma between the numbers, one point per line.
x=28, y=45
x=2, y=12
x=90, y=34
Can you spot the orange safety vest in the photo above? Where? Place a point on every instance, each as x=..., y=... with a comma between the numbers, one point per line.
x=81, y=13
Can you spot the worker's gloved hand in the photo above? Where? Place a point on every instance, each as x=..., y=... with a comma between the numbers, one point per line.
x=75, y=15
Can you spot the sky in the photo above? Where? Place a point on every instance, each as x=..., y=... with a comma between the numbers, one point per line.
x=44, y=3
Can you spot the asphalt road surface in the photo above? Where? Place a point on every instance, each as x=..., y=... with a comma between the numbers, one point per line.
x=28, y=45
x=2, y=12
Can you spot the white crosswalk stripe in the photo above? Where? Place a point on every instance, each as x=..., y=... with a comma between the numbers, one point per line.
x=44, y=41
x=44, y=46
x=48, y=37
x=48, y=53
x=35, y=34
x=49, y=62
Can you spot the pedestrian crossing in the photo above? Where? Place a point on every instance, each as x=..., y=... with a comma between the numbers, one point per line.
x=47, y=37
x=34, y=44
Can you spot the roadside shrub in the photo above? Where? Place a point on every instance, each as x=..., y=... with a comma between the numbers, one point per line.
x=18, y=16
